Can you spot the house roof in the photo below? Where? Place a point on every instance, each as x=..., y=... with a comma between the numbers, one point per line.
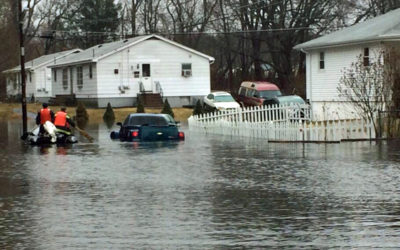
x=101, y=51
x=43, y=60
x=384, y=27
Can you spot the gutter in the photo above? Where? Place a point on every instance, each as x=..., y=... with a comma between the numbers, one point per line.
x=310, y=77
x=355, y=42
x=71, y=63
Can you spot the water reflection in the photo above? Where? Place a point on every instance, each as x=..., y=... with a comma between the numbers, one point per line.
x=207, y=192
x=109, y=123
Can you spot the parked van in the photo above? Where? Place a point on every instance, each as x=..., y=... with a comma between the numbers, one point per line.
x=257, y=93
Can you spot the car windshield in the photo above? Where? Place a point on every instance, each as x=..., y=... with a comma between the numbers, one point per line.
x=148, y=120
x=268, y=94
x=224, y=98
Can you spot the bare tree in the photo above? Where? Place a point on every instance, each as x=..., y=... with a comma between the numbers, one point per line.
x=8, y=36
x=151, y=15
x=368, y=87
x=189, y=17
x=54, y=15
x=135, y=5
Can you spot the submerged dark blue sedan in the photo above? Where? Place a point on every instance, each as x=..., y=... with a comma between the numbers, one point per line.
x=148, y=127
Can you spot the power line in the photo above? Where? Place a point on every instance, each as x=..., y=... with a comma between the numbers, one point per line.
x=84, y=33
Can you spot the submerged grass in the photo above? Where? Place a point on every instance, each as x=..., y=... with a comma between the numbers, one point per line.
x=95, y=114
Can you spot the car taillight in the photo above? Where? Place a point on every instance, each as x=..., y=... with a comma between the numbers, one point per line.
x=135, y=133
x=181, y=135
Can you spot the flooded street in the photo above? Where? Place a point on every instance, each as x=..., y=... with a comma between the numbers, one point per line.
x=207, y=192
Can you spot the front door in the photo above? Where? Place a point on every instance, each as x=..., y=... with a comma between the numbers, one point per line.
x=146, y=77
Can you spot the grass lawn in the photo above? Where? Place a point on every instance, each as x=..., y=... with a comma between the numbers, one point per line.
x=95, y=114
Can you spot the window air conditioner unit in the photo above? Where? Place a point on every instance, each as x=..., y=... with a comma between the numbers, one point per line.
x=186, y=73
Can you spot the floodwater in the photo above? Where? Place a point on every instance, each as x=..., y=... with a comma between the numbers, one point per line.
x=208, y=192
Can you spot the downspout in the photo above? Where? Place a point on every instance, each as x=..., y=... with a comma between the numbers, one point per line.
x=308, y=66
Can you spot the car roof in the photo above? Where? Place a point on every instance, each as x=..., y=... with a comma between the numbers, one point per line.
x=290, y=99
x=259, y=85
x=148, y=114
x=219, y=93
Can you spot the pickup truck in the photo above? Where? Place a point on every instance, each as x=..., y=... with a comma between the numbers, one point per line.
x=148, y=127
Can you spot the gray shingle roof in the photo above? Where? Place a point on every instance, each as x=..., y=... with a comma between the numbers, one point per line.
x=380, y=28
x=37, y=62
x=97, y=52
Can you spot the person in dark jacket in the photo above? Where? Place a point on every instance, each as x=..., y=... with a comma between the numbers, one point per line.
x=44, y=115
x=63, y=122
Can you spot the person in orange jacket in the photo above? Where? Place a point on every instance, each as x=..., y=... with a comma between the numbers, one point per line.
x=44, y=115
x=63, y=122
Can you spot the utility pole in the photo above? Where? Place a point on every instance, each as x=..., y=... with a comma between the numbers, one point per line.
x=22, y=51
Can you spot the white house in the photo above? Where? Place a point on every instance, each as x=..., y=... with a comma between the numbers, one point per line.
x=38, y=76
x=117, y=72
x=327, y=56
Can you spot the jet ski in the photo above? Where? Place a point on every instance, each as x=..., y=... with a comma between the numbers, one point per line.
x=51, y=135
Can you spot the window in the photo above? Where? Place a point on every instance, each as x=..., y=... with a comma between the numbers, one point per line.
x=79, y=76
x=224, y=98
x=366, y=57
x=186, y=69
x=65, y=78
x=251, y=92
x=90, y=71
x=55, y=75
x=30, y=76
x=116, y=71
x=242, y=91
x=268, y=94
x=136, y=74
x=150, y=120
x=322, y=60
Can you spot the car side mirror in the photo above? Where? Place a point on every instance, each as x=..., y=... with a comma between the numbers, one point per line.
x=119, y=124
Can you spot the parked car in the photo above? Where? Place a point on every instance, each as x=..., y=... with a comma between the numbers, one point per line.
x=220, y=100
x=257, y=93
x=148, y=127
x=298, y=108
x=286, y=100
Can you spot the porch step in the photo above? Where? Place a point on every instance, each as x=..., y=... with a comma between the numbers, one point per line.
x=151, y=100
x=63, y=100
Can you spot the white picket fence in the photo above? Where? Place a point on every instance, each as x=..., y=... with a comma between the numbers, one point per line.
x=281, y=123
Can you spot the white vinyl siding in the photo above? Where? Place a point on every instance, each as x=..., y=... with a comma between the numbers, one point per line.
x=165, y=61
